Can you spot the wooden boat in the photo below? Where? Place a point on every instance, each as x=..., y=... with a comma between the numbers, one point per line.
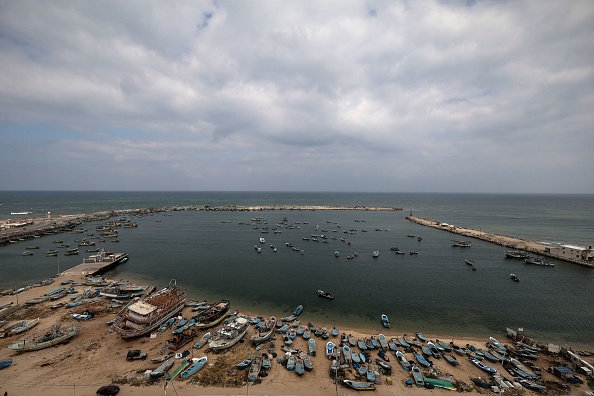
x=266, y=362
x=516, y=254
x=213, y=315
x=162, y=358
x=421, y=359
x=434, y=351
x=184, y=364
x=27, y=253
x=443, y=345
x=540, y=261
x=202, y=341
x=230, y=334
x=421, y=337
x=370, y=375
x=299, y=367
x=417, y=376
x=194, y=367
x=5, y=363
x=496, y=344
x=53, y=336
x=403, y=342
x=311, y=347
x=383, y=364
x=306, y=333
x=144, y=316
x=24, y=326
x=361, y=344
x=385, y=321
x=483, y=366
x=402, y=360
x=382, y=340
x=162, y=369
x=451, y=359
x=264, y=332
x=308, y=364
x=359, y=385
x=291, y=363
x=35, y=301
x=166, y=325
x=346, y=353
x=255, y=367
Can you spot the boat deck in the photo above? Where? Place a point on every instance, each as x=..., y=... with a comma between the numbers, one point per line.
x=95, y=267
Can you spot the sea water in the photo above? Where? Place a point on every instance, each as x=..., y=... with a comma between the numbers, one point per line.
x=212, y=255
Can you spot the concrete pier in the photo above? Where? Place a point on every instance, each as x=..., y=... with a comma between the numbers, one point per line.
x=97, y=264
x=507, y=241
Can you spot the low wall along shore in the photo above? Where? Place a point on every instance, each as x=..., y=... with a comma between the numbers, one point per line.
x=503, y=240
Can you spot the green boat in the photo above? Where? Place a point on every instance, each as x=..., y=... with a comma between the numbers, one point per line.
x=439, y=383
x=185, y=363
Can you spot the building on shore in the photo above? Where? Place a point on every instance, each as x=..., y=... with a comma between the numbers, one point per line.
x=572, y=252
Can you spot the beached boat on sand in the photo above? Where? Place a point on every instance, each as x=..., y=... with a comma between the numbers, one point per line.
x=142, y=317
x=24, y=326
x=264, y=331
x=53, y=336
x=359, y=385
x=230, y=334
x=213, y=315
x=194, y=368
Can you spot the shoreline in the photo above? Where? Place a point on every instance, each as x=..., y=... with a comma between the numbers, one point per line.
x=96, y=357
x=502, y=240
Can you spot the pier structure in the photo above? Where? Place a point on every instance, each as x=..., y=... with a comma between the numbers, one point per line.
x=585, y=258
x=97, y=264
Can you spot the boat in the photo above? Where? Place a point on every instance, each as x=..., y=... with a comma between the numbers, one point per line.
x=308, y=364
x=439, y=383
x=245, y=363
x=52, y=252
x=514, y=277
x=329, y=349
x=24, y=326
x=262, y=240
x=213, y=315
x=82, y=316
x=311, y=347
x=27, y=253
x=230, y=334
x=497, y=345
x=421, y=359
x=264, y=332
x=334, y=331
x=375, y=254
x=532, y=385
x=255, y=368
x=324, y=294
x=5, y=363
x=32, y=247
x=194, y=367
x=417, y=375
x=521, y=366
x=299, y=367
x=266, y=362
x=470, y=262
x=461, y=243
x=336, y=254
x=516, y=254
x=202, y=341
x=162, y=358
x=184, y=364
x=403, y=362
x=421, y=337
x=359, y=385
x=166, y=325
x=385, y=321
x=144, y=316
x=433, y=349
x=383, y=341
x=162, y=369
x=51, y=337
x=483, y=366
x=71, y=252
x=382, y=363
x=451, y=359
x=346, y=353
x=540, y=261
x=443, y=345
x=35, y=301
x=291, y=363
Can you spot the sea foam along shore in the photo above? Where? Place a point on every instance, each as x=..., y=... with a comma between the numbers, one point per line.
x=97, y=356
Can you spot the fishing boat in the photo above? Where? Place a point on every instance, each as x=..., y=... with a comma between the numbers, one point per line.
x=299, y=367
x=375, y=254
x=421, y=337
x=421, y=359
x=461, y=243
x=162, y=358
x=417, y=376
x=144, y=316
x=213, y=315
x=5, y=363
x=383, y=341
x=483, y=366
x=402, y=360
x=516, y=254
x=346, y=350
x=162, y=369
x=514, y=277
x=291, y=363
x=359, y=385
x=311, y=347
x=496, y=344
x=53, y=336
x=52, y=252
x=324, y=294
x=184, y=364
x=264, y=332
x=336, y=254
x=166, y=325
x=334, y=331
x=443, y=345
x=439, y=383
x=540, y=261
x=24, y=326
x=470, y=262
x=194, y=367
x=329, y=349
x=35, y=301
x=245, y=363
x=307, y=363
x=385, y=321
x=230, y=334
x=434, y=351
x=27, y=253
x=451, y=359
x=255, y=368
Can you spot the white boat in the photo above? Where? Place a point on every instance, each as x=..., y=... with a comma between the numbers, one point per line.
x=375, y=254
x=336, y=254
x=24, y=326
x=230, y=334
x=262, y=240
x=27, y=253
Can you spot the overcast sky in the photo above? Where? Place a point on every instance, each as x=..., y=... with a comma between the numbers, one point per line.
x=394, y=96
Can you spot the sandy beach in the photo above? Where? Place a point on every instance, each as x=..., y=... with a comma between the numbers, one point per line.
x=97, y=356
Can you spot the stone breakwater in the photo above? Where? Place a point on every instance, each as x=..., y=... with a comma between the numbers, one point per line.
x=503, y=240
x=30, y=228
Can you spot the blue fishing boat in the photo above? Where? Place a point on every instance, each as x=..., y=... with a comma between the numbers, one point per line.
x=355, y=357
x=166, y=325
x=335, y=332
x=421, y=337
x=421, y=359
x=162, y=369
x=299, y=367
x=382, y=340
x=5, y=363
x=370, y=376
x=385, y=321
x=361, y=344
x=311, y=346
x=483, y=366
x=329, y=349
x=402, y=360
x=291, y=363
x=434, y=350
x=244, y=364
x=346, y=353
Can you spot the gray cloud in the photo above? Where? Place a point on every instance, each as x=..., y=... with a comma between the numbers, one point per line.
x=340, y=96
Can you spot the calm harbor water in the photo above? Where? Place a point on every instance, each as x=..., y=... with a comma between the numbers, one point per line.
x=212, y=255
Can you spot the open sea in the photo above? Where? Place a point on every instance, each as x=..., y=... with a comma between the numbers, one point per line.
x=212, y=256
